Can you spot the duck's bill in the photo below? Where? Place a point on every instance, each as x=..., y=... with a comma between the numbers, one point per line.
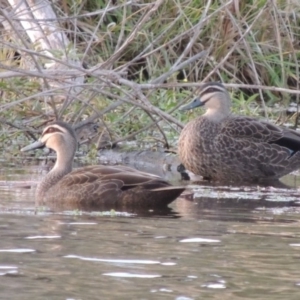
x=33, y=146
x=195, y=103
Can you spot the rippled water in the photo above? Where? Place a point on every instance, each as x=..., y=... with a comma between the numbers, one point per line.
x=229, y=243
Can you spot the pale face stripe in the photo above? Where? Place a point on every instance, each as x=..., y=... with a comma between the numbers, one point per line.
x=210, y=88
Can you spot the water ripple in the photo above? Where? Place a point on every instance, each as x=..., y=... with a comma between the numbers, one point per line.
x=124, y=261
x=199, y=240
x=131, y=275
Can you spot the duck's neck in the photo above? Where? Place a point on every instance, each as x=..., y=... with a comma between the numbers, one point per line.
x=62, y=167
x=215, y=115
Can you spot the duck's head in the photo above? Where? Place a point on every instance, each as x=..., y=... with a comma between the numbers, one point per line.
x=56, y=136
x=214, y=97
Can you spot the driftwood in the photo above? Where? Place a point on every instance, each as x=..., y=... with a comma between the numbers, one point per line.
x=156, y=162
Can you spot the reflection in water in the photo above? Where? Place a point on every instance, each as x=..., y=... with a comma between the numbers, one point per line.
x=222, y=245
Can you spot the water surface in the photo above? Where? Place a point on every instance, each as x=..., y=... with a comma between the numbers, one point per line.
x=229, y=243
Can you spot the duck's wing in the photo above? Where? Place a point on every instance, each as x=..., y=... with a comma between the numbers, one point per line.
x=252, y=130
x=128, y=176
x=84, y=188
x=96, y=179
x=96, y=186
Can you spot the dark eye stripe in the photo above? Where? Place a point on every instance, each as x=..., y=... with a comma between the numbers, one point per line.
x=211, y=88
x=51, y=130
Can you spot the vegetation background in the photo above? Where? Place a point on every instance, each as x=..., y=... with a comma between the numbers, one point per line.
x=141, y=60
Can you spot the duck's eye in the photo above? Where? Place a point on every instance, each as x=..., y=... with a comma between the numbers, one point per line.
x=211, y=90
x=51, y=130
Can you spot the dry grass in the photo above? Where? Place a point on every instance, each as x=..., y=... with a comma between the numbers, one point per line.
x=144, y=59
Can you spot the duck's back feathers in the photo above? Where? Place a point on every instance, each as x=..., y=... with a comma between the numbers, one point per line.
x=253, y=130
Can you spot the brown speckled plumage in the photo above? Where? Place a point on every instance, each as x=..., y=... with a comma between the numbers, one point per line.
x=222, y=147
x=95, y=187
